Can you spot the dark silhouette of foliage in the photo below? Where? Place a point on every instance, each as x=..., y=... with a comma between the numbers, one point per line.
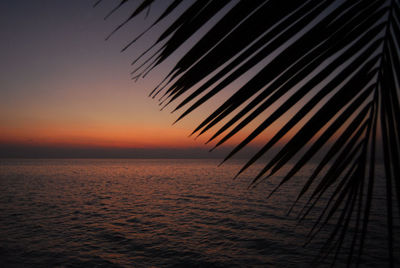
x=337, y=60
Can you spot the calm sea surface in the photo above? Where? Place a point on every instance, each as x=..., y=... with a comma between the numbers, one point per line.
x=159, y=213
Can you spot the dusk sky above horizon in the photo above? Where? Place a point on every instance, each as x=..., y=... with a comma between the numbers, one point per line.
x=63, y=86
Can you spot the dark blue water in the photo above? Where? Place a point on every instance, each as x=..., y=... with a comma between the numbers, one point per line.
x=160, y=213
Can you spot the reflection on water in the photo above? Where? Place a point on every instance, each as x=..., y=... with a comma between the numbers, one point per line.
x=147, y=213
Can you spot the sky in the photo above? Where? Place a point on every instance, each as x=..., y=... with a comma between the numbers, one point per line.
x=65, y=91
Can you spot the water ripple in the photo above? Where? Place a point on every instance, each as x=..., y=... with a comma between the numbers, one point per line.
x=143, y=213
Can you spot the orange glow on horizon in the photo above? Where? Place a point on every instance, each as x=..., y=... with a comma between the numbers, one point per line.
x=124, y=137
x=106, y=137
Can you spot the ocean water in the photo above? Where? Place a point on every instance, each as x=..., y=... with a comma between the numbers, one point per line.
x=153, y=213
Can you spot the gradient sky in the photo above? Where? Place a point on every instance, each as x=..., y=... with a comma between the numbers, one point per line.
x=63, y=86
x=65, y=90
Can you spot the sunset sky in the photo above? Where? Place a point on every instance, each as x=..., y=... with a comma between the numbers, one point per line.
x=66, y=92
x=64, y=86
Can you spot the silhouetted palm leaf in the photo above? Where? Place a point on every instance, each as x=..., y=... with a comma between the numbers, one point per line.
x=338, y=61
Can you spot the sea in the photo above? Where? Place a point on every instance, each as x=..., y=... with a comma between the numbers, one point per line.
x=160, y=213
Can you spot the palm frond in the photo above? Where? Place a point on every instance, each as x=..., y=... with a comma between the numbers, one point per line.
x=338, y=61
